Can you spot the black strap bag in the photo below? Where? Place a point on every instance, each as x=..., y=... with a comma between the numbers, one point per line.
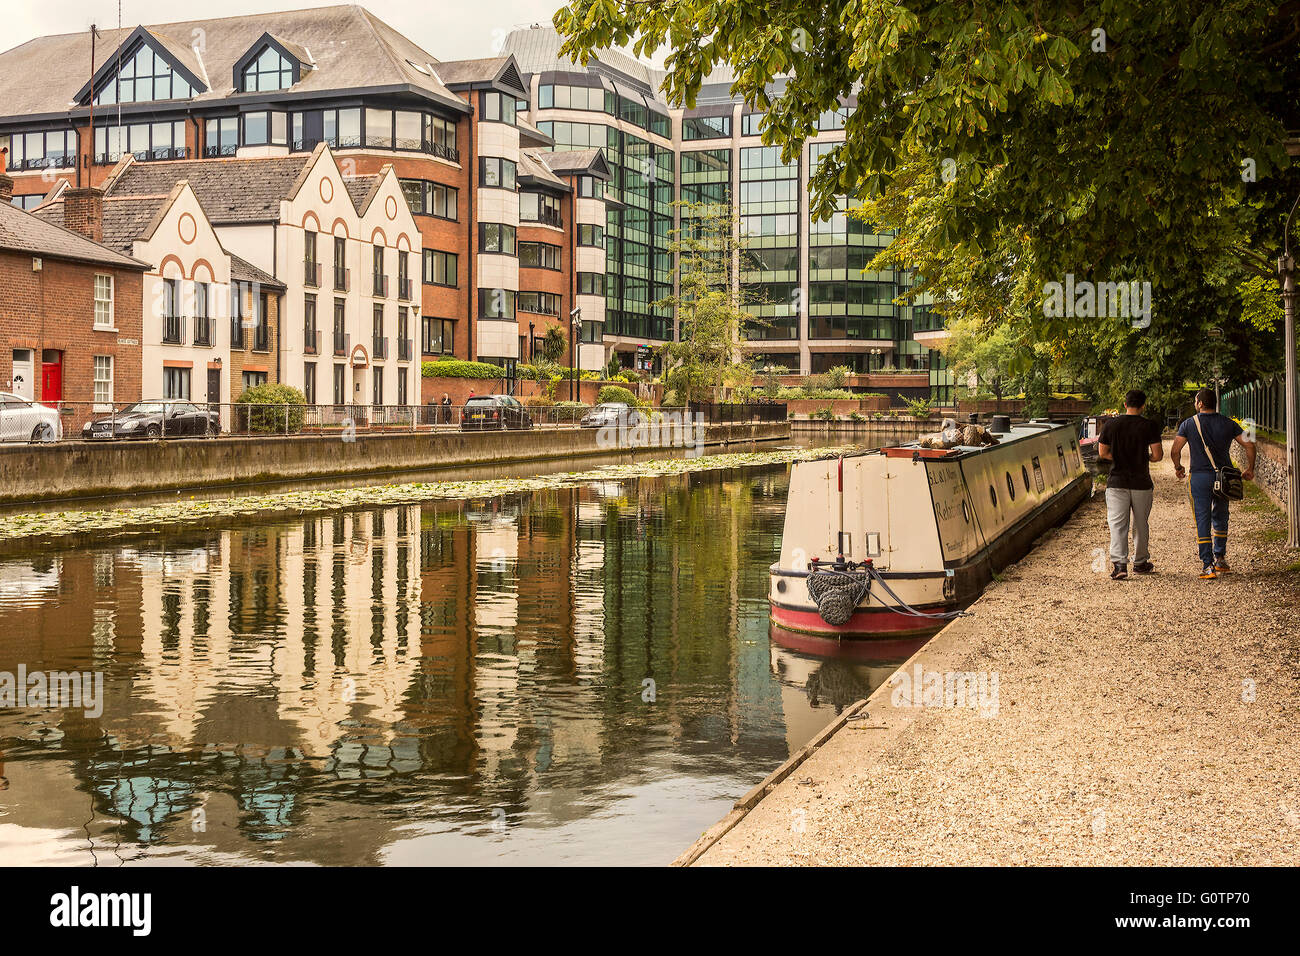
x=1227, y=480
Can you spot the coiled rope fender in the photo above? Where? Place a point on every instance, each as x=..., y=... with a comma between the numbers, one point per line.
x=837, y=593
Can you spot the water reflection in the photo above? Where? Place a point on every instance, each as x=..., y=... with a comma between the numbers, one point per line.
x=576, y=675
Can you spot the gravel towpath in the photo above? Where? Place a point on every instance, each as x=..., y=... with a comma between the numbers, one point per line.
x=1148, y=721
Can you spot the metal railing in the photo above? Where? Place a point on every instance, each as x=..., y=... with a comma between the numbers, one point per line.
x=311, y=341
x=202, y=330
x=168, y=419
x=173, y=330
x=311, y=273
x=405, y=349
x=379, y=347
x=342, y=341
x=342, y=279
x=730, y=413
x=1262, y=401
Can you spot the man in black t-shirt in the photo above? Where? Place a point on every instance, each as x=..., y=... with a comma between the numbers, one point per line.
x=1130, y=442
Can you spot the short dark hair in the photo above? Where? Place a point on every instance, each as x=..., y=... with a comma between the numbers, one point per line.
x=1206, y=397
x=1136, y=398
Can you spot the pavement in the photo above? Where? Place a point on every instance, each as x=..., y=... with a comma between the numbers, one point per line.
x=1150, y=721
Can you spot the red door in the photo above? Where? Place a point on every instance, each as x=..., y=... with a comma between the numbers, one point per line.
x=52, y=379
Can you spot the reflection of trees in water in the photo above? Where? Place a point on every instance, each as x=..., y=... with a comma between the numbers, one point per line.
x=838, y=683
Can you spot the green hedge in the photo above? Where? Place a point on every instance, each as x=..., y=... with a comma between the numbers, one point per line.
x=458, y=368
x=616, y=393
x=272, y=419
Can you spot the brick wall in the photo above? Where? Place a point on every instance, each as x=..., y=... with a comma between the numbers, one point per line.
x=54, y=309
x=1270, y=468
x=248, y=359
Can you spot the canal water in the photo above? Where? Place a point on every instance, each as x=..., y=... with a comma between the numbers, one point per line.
x=577, y=675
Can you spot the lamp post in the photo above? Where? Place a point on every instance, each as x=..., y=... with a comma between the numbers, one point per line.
x=1286, y=270
x=575, y=318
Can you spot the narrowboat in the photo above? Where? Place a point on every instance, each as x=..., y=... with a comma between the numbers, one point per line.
x=896, y=541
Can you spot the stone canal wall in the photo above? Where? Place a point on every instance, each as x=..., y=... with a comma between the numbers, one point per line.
x=79, y=469
x=1270, y=468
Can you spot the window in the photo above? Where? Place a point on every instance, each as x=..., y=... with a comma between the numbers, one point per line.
x=340, y=384
x=706, y=127
x=591, y=236
x=340, y=336
x=103, y=380
x=221, y=137
x=496, y=303
x=589, y=187
x=440, y=137
x=266, y=128
x=539, y=255
x=254, y=379
x=342, y=128
x=496, y=173
x=751, y=124
x=176, y=383
x=377, y=262
x=310, y=337
x=309, y=382
x=403, y=274
x=340, y=264
x=379, y=128
x=436, y=336
x=536, y=207
x=377, y=378
x=430, y=199
x=144, y=141
x=379, y=343
x=591, y=283
x=661, y=125
x=144, y=77
x=439, y=267
x=103, y=302
x=543, y=303
x=271, y=70
x=496, y=237
x=309, y=258
x=56, y=148
x=202, y=316
x=498, y=108
x=401, y=386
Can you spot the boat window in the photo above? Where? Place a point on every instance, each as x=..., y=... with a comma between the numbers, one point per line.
x=1060, y=453
x=1011, y=487
x=965, y=511
x=993, y=495
x=1024, y=474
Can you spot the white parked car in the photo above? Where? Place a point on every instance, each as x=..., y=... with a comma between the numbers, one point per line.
x=21, y=419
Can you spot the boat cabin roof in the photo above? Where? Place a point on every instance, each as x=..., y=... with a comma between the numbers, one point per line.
x=1019, y=432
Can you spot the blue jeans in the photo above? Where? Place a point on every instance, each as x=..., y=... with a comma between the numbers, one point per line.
x=1211, y=517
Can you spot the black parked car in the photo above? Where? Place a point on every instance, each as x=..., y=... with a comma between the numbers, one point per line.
x=494, y=411
x=155, y=420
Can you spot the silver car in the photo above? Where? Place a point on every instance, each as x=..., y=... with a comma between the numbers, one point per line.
x=21, y=419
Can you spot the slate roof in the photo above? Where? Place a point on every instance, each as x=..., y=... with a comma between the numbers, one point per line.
x=231, y=191
x=534, y=167
x=361, y=190
x=244, y=271
x=577, y=161
x=24, y=233
x=349, y=47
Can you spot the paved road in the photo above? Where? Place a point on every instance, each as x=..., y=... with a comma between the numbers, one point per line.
x=1150, y=721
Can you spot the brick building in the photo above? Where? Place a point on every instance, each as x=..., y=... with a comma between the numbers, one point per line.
x=70, y=312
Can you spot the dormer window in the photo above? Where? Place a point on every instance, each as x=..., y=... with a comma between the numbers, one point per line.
x=143, y=78
x=269, y=70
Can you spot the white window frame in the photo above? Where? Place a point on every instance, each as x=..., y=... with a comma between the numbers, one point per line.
x=103, y=404
x=111, y=326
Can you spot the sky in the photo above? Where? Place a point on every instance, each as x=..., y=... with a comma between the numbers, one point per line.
x=459, y=30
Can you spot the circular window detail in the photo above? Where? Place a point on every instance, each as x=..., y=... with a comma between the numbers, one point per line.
x=390, y=208
x=780, y=585
x=1011, y=487
x=1024, y=474
x=993, y=495
x=326, y=189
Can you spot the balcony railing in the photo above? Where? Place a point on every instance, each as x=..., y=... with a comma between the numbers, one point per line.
x=162, y=153
x=404, y=289
x=237, y=334
x=546, y=218
x=381, y=286
x=202, y=330
x=405, y=349
x=173, y=330
x=342, y=279
x=311, y=341
x=443, y=152
x=212, y=152
x=341, y=342
x=262, y=338
x=379, y=347
x=49, y=162
x=311, y=273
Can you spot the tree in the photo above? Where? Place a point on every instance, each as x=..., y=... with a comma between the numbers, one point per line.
x=709, y=304
x=1013, y=144
x=554, y=344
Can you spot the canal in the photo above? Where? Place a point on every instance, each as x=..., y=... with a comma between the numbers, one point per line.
x=574, y=675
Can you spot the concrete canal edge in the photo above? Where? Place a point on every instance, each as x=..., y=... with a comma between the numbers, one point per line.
x=750, y=800
x=66, y=470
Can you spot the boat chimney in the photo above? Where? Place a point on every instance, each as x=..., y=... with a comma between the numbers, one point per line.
x=1001, y=424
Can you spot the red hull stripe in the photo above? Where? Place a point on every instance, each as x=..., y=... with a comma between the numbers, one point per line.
x=866, y=622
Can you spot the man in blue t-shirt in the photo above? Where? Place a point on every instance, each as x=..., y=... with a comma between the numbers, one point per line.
x=1210, y=447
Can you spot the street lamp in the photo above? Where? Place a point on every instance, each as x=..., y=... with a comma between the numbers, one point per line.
x=576, y=318
x=1286, y=269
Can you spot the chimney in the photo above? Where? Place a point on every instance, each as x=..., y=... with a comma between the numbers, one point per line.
x=83, y=212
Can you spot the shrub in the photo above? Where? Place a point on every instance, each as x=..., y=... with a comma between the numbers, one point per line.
x=838, y=377
x=458, y=368
x=270, y=419
x=572, y=405
x=857, y=417
x=826, y=414
x=919, y=408
x=616, y=393
x=771, y=384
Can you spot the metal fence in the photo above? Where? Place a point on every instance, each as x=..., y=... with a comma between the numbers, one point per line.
x=74, y=421
x=730, y=413
x=1262, y=401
